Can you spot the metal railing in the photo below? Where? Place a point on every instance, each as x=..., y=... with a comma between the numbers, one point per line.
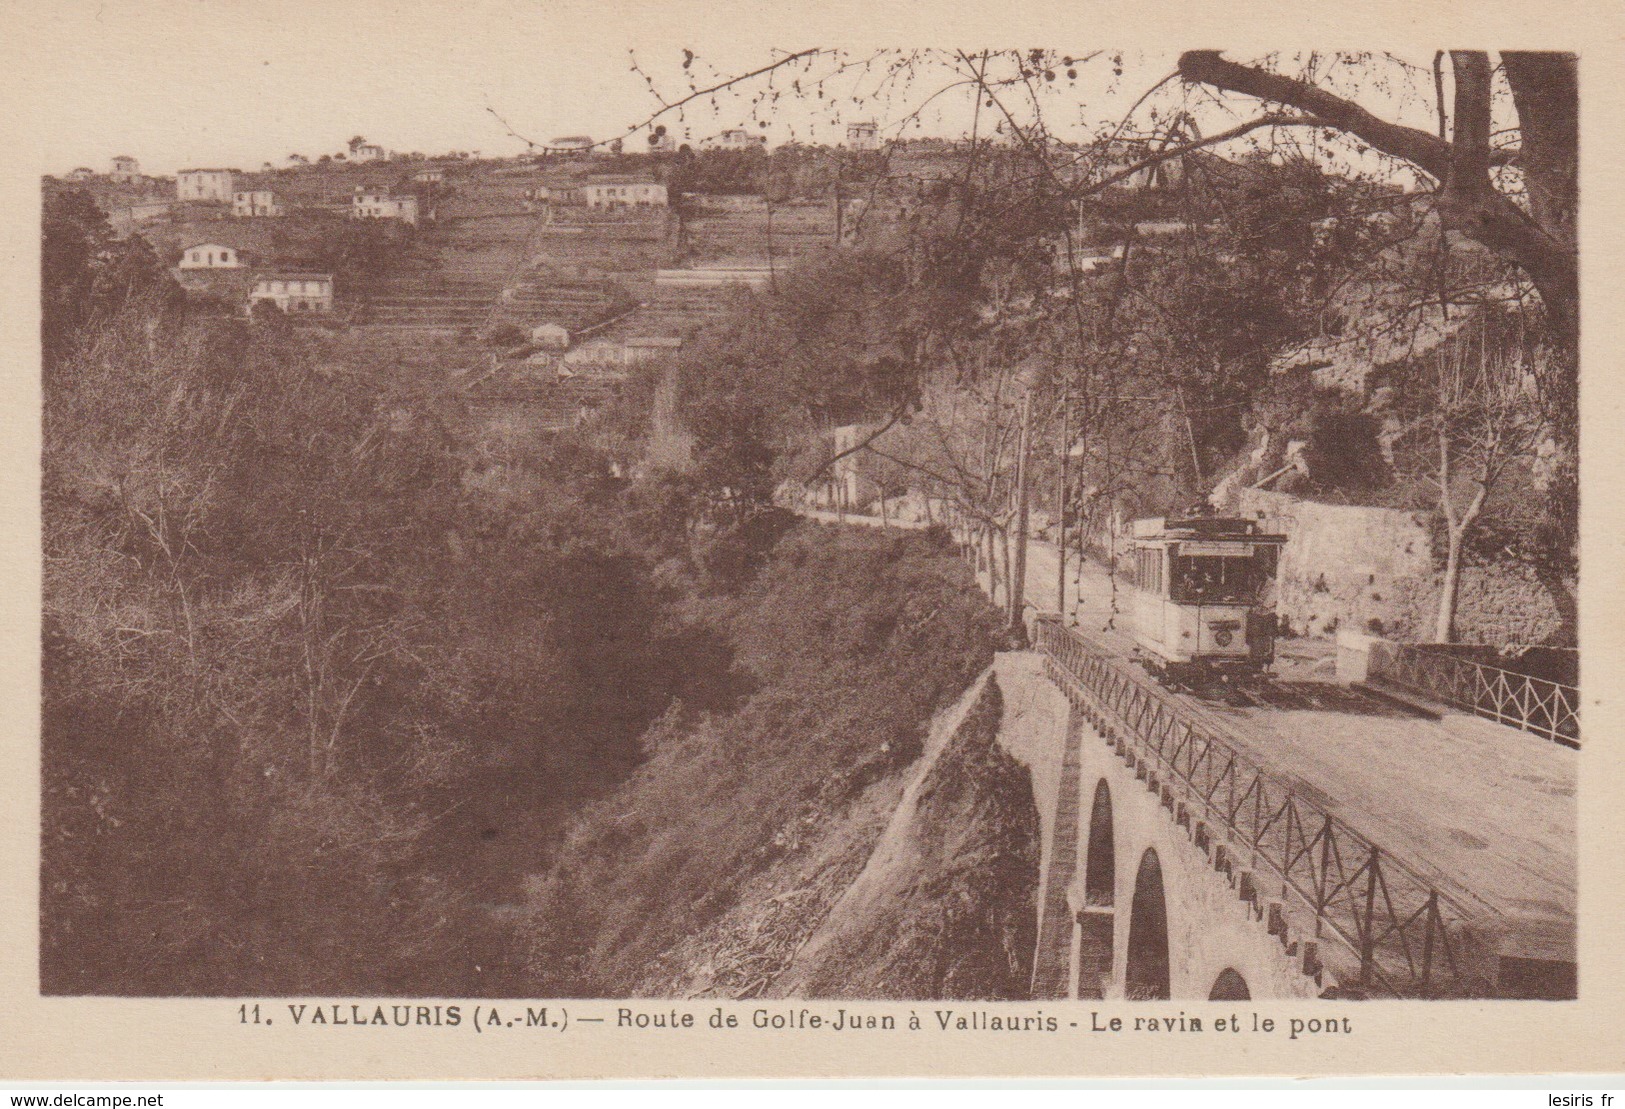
x=1536, y=705
x=1408, y=938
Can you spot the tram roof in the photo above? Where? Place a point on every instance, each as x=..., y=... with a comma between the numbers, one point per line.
x=1203, y=527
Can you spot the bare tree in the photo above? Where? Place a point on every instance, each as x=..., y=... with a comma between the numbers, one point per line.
x=1481, y=419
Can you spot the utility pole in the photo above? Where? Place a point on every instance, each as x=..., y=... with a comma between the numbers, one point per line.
x=840, y=212
x=1060, y=512
x=1018, y=578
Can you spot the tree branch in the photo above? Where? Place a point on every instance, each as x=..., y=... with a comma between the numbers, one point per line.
x=1427, y=152
x=675, y=104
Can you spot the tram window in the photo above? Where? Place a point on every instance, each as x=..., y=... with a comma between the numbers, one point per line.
x=1213, y=579
x=1148, y=570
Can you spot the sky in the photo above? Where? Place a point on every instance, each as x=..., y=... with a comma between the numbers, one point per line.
x=181, y=83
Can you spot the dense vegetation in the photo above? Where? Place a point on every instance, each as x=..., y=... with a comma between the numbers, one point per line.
x=291, y=651
x=846, y=642
x=323, y=684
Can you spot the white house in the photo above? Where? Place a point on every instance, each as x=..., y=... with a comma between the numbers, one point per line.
x=248, y=203
x=551, y=336
x=378, y=202
x=619, y=192
x=369, y=152
x=863, y=136
x=737, y=138
x=204, y=184
x=644, y=347
x=430, y=176
x=125, y=168
x=571, y=146
x=294, y=292
x=605, y=355
x=211, y=256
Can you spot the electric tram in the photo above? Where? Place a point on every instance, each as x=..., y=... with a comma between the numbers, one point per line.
x=1196, y=608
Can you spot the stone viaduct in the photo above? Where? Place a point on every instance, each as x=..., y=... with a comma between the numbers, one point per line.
x=1134, y=905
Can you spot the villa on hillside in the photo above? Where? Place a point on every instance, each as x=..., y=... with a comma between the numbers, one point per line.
x=249, y=203
x=379, y=202
x=737, y=138
x=211, y=256
x=606, y=355
x=125, y=168
x=369, y=152
x=863, y=136
x=570, y=146
x=294, y=292
x=618, y=192
x=550, y=336
x=209, y=185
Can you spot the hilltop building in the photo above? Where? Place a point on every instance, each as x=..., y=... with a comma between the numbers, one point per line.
x=294, y=292
x=369, y=152
x=81, y=173
x=249, y=203
x=570, y=146
x=863, y=136
x=737, y=138
x=208, y=185
x=125, y=168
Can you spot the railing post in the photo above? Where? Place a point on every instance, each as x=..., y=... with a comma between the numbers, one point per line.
x=1368, y=926
x=1432, y=917
x=1325, y=873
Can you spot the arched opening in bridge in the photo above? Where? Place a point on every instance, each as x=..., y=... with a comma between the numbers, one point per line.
x=1100, y=865
x=1146, y=977
x=1229, y=986
x=1096, y=920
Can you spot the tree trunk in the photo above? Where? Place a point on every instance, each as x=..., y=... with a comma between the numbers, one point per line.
x=1444, y=629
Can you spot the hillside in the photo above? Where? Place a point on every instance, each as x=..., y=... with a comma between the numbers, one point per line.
x=944, y=907
x=738, y=837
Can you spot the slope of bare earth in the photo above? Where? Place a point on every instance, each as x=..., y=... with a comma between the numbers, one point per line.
x=924, y=886
x=944, y=908
x=830, y=863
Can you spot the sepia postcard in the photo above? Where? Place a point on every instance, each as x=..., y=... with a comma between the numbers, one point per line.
x=641, y=540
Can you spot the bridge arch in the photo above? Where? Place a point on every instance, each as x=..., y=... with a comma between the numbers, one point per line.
x=1097, y=920
x=1229, y=986
x=1146, y=974
x=1100, y=864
